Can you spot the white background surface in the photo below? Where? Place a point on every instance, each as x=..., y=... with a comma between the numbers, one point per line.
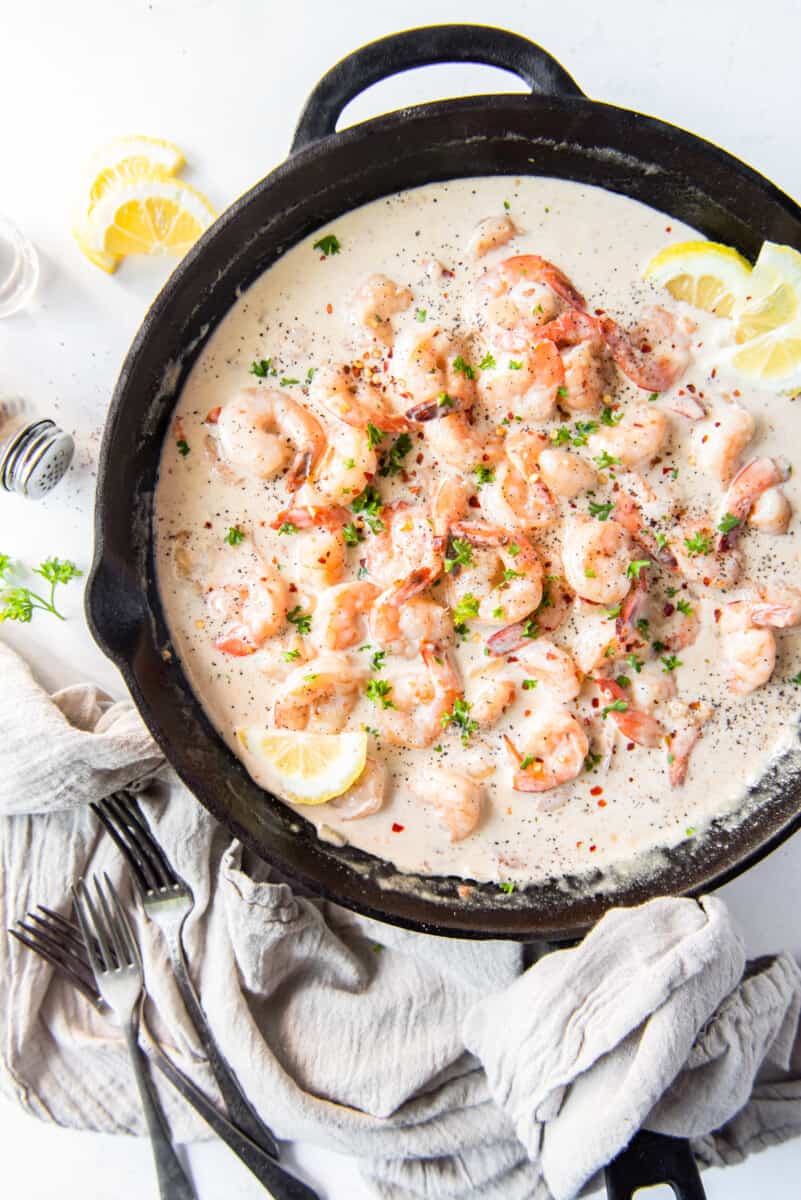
x=226, y=81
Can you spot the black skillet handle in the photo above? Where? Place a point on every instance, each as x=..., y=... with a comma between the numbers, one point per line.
x=421, y=48
x=652, y=1158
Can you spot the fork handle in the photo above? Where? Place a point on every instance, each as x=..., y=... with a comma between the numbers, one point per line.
x=174, y=1183
x=236, y=1102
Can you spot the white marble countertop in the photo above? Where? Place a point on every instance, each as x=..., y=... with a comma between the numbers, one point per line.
x=226, y=81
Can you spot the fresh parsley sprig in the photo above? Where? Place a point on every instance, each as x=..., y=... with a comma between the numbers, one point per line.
x=19, y=603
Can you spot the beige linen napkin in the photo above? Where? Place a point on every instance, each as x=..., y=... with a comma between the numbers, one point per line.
x=444, y=1065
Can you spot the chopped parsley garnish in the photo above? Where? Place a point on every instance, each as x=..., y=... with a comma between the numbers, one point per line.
x=582, y=430
x=674, y=473
x=377, y=661
x=589, y=573
x=506, y=205
x=329, y=243
x=611, y=613
x=529, y=684
x=460, y=717
x=310, y=678
x=287, y=527
x=616, y=706
x=685, y=607
x=661, y=541
x=370, y=504
x=300, y=619
x=498, y=614
x=643, y=626
x=262, y=368
x=591, y=761
x=561, y=436
x=728, y=522
x=562, y=392
x=290, y=655
x=634, y=568
x=374, y=436
x=530, y=628
x=634, y=662
x=658, y=646
x=513, y=549
x=508, y=887
x=611, y=416
x=484, y=475
x=464, y=610
x=487, y=363
x=285, y=381
x=514, y=365
x=509, y=575
x=391, y=463
x=379, y=691
x=623, y=680
x=670, y=662
x=603, y=461
x=699, y=543
x=373, y=732
x=234, y=536
x=464, y=368
x=350, y=463
x=352, y=534
x=526, y=761
x=462, y=555
x=796, y=679
x=421, y=314
x=445, y=401
x=601, y=512
x=310, y=374
x=652, y=397
x=182, y=446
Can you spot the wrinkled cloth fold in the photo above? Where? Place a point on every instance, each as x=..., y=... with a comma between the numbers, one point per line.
x=448, y=1068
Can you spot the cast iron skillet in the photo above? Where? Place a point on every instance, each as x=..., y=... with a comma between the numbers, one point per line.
x=554, y=131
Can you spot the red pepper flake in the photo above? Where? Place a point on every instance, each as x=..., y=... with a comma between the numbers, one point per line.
x=329, y=308
x=444, y=295
x=691, y=388
x=718, y=614
x=513, y=658
x=593, y=849
x=596, y=791
x=668, y=229
x=595, y=702
x=213, y=415
x=737, y=392
x=207, y=525
x=713, y=372
x=668, y=610
x=527, y=713
x=396, y=828
x=579, y=845
x=474, y=502
x=602, y=804
x=629, y=745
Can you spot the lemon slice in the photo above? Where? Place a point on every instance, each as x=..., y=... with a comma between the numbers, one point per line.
x=146, y=216
x=705, y=274
x=306, y=768
x=768, y=320
x=127, y=159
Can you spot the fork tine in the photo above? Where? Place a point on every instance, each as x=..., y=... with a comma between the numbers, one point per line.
x=63, y=929
x=97, y=946
x=124, y=925
x=129, y=852
x=127, y=803
x=58, y=946
x=85, y=985
x=111, y=925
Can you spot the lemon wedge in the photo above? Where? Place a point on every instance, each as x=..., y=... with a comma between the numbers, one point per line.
x=146, y=216
x=127, y=159
x=306, y=768
x=768, y=320
x=705, y=274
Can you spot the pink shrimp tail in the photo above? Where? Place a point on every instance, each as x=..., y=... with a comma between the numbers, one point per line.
x=745, y=489
x=637, y=726
x=333, y=517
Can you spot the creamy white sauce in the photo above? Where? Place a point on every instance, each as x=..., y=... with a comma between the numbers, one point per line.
x=297, y=315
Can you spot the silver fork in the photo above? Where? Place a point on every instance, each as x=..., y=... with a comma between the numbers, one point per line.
x=117, y=968
x=60, y=943
x=167, y=900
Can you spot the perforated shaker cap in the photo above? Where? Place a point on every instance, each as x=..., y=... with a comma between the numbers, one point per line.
x=35, y=458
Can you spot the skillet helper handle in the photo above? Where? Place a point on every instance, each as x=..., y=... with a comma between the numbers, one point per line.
x=422, y=48
x=652, y=1158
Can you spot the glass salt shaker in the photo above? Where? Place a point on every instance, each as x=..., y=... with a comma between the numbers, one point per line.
x=19, y=268
x=34, y=454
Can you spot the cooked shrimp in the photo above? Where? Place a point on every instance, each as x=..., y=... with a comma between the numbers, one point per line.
x=750, y=482
x=555, y=747
x=321, y=558
x=455, y=442
x=455, y=797
x=258, y=428
x=416, y=720
x=771, y=512
x=596, y=555
x=405, y=544
x=376, y=302
x=491, y=233
x=655, y=353
x=489, y=695
x=637, y=439
x=366, y=796
x=448, y=505
x=634, y=723
x=359, y=396
x=749, y=651
x=686, y=724
x=596, y=642
x=549, y=614
x=628, y=513
x=589, y=376
x=652, y=688
x=346, y=467
x=252, y=604
x=565, y=474
x=341, y=613
x=432, y=375
x=694, y=547
x=719, y=441
x=323, y=690
x=777, y=607
x=526, y=386
x=402, y=620
x=514, y=502
x=512, y=572
x=552, y=667
x=522, y=294
x=310, y=516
